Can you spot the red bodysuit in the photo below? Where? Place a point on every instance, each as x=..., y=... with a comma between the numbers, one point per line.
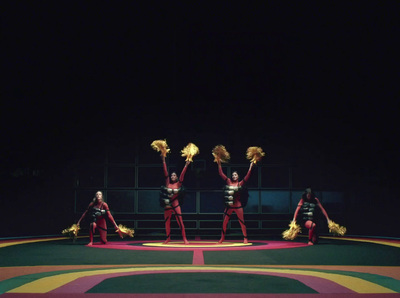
x=98, y=211
x=174, y=204
x=236, y=206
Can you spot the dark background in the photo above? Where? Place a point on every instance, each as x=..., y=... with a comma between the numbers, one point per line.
x=313, y=84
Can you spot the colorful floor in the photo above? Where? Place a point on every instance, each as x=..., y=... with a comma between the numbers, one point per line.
x=336, y=267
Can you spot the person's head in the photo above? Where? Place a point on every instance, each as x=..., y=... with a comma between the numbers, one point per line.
x=174, y=177
x=99, y=196
x=235, y=176
x=308, y=194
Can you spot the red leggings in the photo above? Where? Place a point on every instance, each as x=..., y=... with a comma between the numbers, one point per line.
x=227, y=214
x=312, y=234
x=178, y=215
x=101, y=226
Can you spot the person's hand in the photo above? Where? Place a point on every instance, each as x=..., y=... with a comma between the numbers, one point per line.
x=119, y=233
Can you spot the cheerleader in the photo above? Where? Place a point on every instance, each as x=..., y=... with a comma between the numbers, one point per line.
x=235, y=194
x=307, y=208
x=233, y=199
x=170, y=198
x=98, y=211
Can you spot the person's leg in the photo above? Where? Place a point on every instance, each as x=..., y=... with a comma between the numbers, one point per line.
x=311, y=231
x=178, y=216
x=314, y=237
x=167, y=219
x=227, y=213
x=102, y=228
x=240, y=215
x=92, y=228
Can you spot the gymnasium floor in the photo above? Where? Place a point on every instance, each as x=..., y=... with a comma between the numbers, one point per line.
x=336, y=267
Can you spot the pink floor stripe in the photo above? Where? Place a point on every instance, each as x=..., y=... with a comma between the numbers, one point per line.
x=194, y=295
x=84, y=284
x=198, y=257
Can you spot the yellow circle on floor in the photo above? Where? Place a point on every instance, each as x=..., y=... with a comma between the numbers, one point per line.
x=197, y=244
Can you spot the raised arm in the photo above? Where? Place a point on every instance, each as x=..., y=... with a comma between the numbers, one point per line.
x=221, y=173
x=165, y=171
x=182, y=176
x=323, y=210
x=298, y=209
x=247, y=175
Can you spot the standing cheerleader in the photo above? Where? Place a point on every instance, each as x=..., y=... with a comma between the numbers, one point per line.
x=172, y=193
x=234, y=189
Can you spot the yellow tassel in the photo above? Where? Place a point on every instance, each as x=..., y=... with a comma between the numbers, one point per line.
x=161, y=146
x=72, y=231
x=220, y=154
x=254, y=154
x=336, y=229
x=292, y=232
x=190, y=150
x=125, y=231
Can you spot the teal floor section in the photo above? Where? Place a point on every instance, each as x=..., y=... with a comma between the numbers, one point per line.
x=200, y=283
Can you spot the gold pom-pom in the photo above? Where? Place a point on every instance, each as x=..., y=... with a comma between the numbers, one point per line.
x=336, y=229
x=292, y=232
x=161, y=146
x=254, y=154
x=72, y=231
x=125, y=231
x=220, y=154
x=190, y=150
